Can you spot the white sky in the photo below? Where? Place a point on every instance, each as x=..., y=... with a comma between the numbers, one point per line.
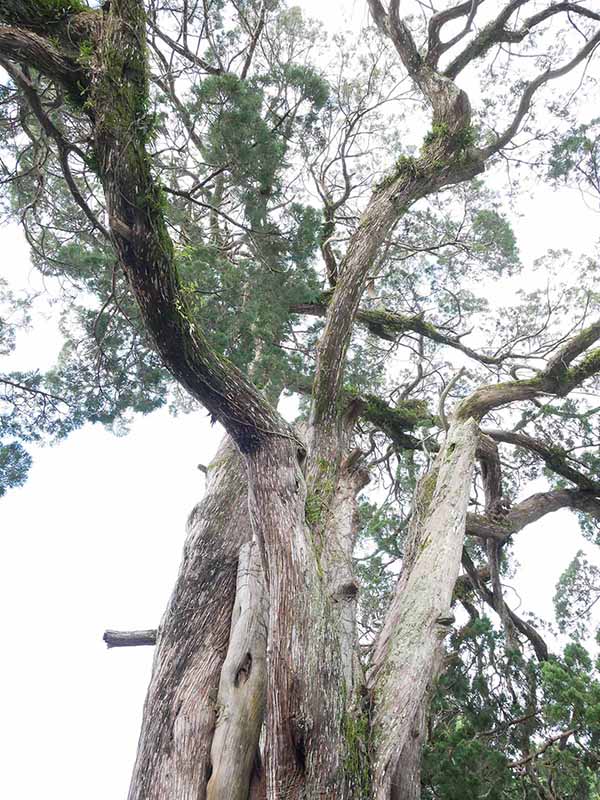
x=93, y=541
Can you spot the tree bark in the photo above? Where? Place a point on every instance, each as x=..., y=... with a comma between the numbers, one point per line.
x=241, y=697
x=296, y=503
x=420, y=615
x=173, y=759
x=407, y=780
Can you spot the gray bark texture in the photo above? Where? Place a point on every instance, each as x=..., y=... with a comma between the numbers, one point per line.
x=241, y=698
x=420, y=617
x=173, y=759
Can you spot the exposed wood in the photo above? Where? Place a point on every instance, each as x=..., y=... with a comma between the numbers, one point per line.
x=173, y=759
x=242, y=686
x=129, y=638
x=407, y=781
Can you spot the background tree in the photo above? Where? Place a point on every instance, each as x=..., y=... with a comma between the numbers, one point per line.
x=179, y=170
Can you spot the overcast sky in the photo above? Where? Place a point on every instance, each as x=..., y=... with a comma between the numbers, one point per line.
x=94, y=539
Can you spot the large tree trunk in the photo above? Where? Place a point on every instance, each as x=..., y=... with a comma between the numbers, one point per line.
x=173, y=759
x=206, y=702
x=307, y=546
x=212, y=668
x=408, y=648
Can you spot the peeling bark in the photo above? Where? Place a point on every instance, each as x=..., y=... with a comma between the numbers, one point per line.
x=342, y=529
x=173, y=759
x=303, y=752
x=241, y=697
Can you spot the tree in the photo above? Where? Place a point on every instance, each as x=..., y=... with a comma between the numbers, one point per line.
x=183, y=136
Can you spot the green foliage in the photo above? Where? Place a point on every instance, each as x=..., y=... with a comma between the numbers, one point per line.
x=380, y=545
x=15, y=462
x=39, y=13
x=493, y=235
x=577, y=592
x=405, y=167
x=576, y=154
x=239, y=137
x=244, y=304
x=457, y=142
x=494, y=713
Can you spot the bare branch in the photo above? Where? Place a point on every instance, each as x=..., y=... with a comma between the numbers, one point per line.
x=450, y=104
x=129, y=638
x=444, y=395
x=531, y=510
x=388, y=325
x=559, y=737
x=184, y=51
x=495, y=32
x=553, y=457
x=530, y=90
x=62, y=146
x=435, y=46
x=379, y=15
x=539, y=645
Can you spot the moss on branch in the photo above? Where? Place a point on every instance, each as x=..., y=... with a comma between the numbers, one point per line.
x=395, y=421
x=442, y=148
x=587, y=367
x=357, y=767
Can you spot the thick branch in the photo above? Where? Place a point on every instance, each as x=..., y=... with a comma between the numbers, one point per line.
x=553, y=457
x=388, y=325
x=495, y=32
x=491, y=474
x=436, y=47
x=558, y=379
x=530, y=510
x=451, y=107
x=142, y=241
x=26, y=47
x=418, y=619
x=395, y=421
